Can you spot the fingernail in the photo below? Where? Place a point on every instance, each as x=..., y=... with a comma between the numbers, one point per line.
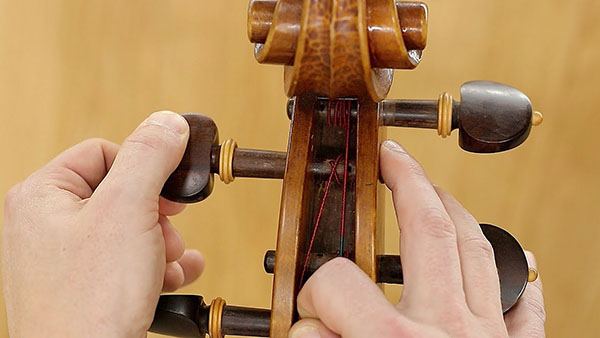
x=307, y=331
x=393, y=146
x=169, y=120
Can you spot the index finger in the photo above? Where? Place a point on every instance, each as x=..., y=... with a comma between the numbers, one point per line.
x=429, y=251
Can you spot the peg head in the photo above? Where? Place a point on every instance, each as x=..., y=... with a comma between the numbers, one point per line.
x=181, y=316
x=492, y=117
x=192, y=181
x=513, y=269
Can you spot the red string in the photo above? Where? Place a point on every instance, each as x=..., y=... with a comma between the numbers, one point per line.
x=345, y=187
x=318, y=220
x=336, y=176
x=329, y=112
x=338, y=116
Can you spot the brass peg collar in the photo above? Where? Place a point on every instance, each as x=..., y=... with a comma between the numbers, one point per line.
x=226, y=161
x=215, y=317
x=445, y=115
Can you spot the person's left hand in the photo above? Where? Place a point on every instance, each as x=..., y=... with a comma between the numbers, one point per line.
x=87, y=246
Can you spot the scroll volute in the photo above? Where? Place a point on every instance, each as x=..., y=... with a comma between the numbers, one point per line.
x=369, y=39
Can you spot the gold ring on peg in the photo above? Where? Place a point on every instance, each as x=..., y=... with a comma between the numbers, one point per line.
x=226, y=161
x=214, y=317
x=445, y=115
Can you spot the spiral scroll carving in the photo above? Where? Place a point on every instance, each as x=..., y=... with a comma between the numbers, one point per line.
x=338, y=48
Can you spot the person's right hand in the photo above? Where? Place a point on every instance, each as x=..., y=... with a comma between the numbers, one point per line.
x=451, y=286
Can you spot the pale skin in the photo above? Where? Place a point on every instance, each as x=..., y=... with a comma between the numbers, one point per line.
x=88, y=247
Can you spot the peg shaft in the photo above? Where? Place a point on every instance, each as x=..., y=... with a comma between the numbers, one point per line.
x=252, y=163
x=410, y=113
x=388, y=266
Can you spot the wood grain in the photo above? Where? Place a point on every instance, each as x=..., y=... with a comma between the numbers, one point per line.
x=70, y=70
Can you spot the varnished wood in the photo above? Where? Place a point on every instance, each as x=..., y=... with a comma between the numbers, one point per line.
x=258, y=163
x=292, y=219
x=410, y=113
x=369, y=228
x=279, y=47
x=406, y=28
x=345, y=50
x=260, y=19
x=413, y=22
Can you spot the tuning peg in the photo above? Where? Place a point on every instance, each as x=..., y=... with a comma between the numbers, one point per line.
x=189, y=316
x=491, y=117
x=513, y=269
x=192, y=181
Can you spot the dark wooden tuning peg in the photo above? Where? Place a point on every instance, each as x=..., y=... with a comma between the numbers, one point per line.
x=192, y=180
x=189, y=316
x=491, y=117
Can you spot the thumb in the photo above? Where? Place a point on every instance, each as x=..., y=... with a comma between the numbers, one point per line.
x=144, y=162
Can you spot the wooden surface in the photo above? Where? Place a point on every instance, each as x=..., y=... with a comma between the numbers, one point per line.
x=70, y=70
x=292, y=230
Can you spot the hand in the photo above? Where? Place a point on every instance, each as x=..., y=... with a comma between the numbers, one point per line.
x=451, y=286
x=87, y=246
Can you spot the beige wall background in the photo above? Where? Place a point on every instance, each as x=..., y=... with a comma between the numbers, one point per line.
x=71, y=70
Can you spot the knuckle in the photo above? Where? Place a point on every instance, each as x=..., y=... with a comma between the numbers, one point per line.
x=478, y=246
x=436, y=223
x=536, y=306
x=148, y=141
x=457, y=320
x=93, y=142
x=393, y=325
x=154, y=136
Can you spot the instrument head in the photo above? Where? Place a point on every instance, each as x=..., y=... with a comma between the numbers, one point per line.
x=348, y=50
